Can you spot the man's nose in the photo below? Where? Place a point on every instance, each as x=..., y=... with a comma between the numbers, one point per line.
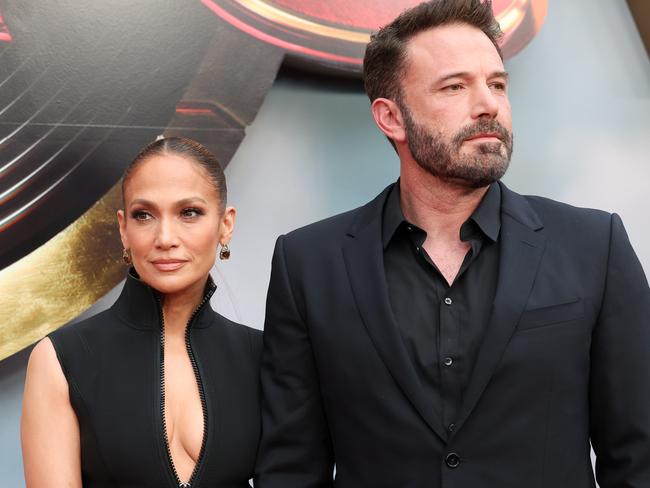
x=484, y=103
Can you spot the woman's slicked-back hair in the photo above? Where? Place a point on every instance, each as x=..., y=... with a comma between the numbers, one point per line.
x=384, y=60
x=186, y=148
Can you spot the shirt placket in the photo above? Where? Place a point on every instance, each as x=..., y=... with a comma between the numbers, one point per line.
x=449, y=356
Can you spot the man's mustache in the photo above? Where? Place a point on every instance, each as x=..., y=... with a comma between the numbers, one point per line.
x=483, y=127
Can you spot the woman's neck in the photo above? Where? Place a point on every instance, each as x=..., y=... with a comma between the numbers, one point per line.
x=178, y=307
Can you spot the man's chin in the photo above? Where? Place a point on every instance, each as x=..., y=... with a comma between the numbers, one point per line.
x=474, y=177
x=472, y=183
x=469, y=171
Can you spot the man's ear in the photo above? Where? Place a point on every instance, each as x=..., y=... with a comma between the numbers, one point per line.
x=388, y=118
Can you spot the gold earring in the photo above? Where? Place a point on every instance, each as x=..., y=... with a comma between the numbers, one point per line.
x=224, y=253
x=126, y=256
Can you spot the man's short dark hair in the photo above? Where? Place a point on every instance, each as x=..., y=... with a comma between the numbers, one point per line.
x=383, y=63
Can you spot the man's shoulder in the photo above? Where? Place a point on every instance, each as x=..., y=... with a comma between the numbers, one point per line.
x=555, y=209
x=334, y=228
x=554, y=213
x=328, y=227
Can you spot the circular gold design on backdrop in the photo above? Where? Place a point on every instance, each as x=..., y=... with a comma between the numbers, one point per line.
x=334, y=34
x=509, y=17
x=283, y=17
x=62, y=278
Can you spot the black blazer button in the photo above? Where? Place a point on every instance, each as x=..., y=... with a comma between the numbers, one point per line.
x=452, y=460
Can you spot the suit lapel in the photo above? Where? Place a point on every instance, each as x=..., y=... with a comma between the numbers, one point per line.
x=364, y=260
x=521, y=251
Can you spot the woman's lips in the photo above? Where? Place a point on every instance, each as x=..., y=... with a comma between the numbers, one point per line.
x=168, y=265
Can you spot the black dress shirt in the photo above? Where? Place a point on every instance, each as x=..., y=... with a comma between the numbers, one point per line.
x=442, y=326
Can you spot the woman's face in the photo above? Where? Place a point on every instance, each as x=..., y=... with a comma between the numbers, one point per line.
x=172, y=223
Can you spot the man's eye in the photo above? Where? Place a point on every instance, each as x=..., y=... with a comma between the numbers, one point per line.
x=191, y=213
x=140, y=215
x=454, y=87
x=499, y=86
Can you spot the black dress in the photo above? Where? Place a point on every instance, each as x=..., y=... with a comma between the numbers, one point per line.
x=112, y=363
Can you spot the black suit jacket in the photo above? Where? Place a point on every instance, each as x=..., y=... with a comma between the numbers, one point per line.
x=565, y=359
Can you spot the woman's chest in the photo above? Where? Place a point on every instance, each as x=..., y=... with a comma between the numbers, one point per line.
x=138, y=402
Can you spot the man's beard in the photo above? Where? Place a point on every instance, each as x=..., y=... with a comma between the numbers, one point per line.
x=443, y=159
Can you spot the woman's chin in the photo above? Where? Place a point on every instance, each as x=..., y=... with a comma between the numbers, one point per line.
x=169, y=283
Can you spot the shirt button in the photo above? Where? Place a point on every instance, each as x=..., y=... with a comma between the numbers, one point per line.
x=452, y=427
x=452, y=460
x=448, y=361
x=410, y=228
x=448, y=301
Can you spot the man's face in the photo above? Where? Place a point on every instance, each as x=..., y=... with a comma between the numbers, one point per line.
x=455, y=107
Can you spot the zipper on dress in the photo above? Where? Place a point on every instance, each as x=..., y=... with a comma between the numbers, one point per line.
x=197, y=376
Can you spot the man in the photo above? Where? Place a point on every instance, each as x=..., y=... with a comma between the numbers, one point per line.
x=452, y=333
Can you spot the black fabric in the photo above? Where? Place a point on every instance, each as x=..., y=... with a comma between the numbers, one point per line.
x=112, y=364
x=442, y=326
x=563, y=360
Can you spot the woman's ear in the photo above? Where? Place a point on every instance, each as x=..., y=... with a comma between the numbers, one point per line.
x=227, y=225
x=121, y=220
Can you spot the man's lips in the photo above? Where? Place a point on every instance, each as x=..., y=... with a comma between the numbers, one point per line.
x=484, y=137
x=168, y=264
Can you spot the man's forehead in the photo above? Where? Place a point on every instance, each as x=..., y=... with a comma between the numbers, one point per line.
x=454, y=48
x=448, y=42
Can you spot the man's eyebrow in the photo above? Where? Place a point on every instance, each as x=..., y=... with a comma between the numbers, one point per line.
x=458, y=74
x=466, y=74
x=500, y=74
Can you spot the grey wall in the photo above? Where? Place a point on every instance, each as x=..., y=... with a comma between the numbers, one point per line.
x=581, y=100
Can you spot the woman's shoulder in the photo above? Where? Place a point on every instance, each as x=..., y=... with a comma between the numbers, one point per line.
x=240, y=332
x=96, y=342
x=235, y=327
x=83, y=331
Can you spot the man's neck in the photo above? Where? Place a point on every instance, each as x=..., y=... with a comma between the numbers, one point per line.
x=437, y=206
x=440, y=208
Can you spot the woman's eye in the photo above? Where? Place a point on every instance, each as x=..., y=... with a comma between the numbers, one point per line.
x=140, y=215
x=191, y=213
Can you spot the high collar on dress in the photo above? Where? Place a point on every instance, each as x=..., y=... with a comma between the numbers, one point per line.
x=140, y=306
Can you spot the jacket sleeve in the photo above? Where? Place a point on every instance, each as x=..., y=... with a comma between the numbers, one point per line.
x=620, y=371
x=295, y=449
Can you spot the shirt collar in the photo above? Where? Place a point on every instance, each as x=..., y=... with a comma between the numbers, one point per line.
x=393, y=215
x=487, y=215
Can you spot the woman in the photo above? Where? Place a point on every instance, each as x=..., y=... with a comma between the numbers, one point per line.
x=159, y=390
